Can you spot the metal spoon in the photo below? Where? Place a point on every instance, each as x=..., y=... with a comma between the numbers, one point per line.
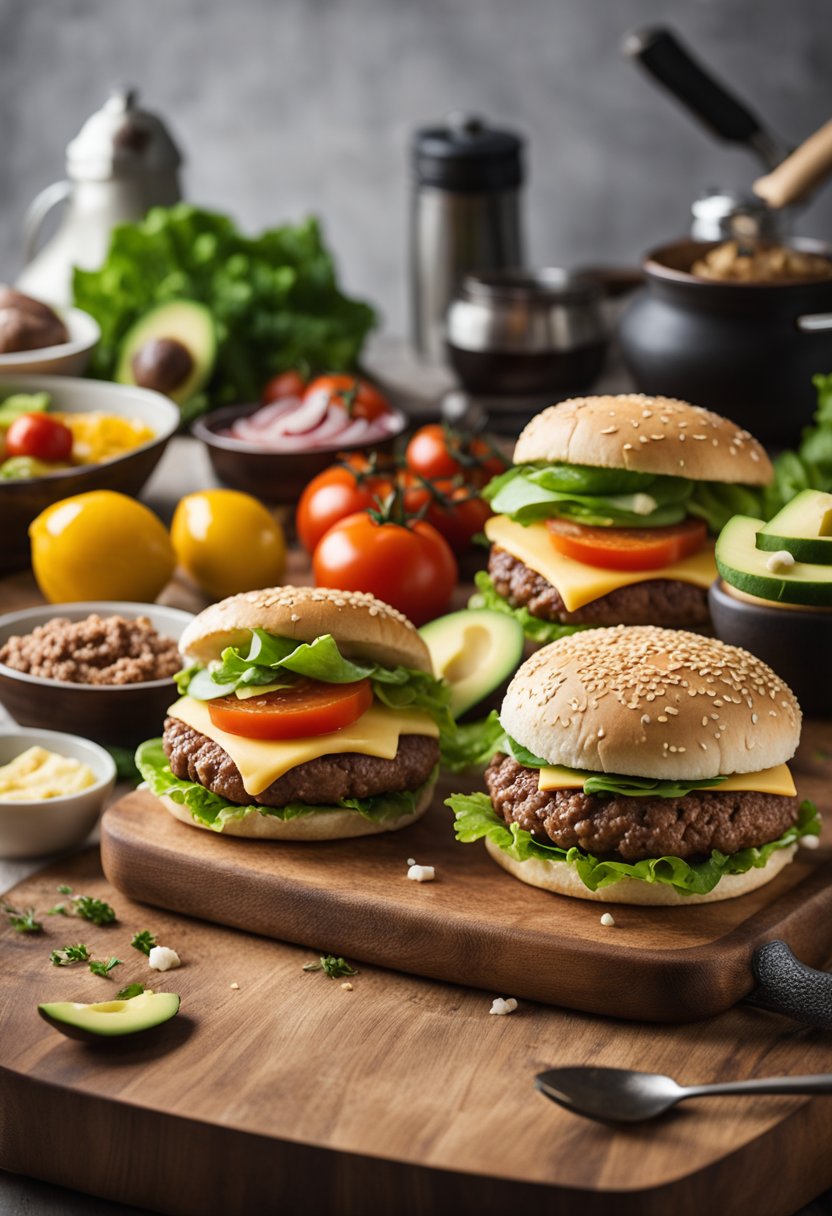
x=620, y=1095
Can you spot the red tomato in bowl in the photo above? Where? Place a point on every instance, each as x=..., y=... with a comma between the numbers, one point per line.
x=39, y=436
x=407, y=565
x=284, y=384
x=360, y=398
x=339, y=491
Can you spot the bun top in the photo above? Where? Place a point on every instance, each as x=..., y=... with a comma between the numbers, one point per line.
x=650, y=702
x=647, y=435
x=363, y=626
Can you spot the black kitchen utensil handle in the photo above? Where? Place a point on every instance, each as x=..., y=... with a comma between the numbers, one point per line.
x=785, y=985
x=661, y=54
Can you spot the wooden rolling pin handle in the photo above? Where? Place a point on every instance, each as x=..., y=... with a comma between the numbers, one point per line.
x=799, y=173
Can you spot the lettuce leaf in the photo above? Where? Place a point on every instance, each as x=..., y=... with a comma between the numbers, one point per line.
x=275, y=298
x=528, y=493
x=534, y=627
x=473, y=743
x=475, y=819
x=215, y=811
x=716, y=502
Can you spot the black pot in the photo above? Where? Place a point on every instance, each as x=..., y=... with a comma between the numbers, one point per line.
x=737, y=348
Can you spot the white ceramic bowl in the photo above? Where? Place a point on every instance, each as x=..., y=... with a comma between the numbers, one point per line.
x=30, y=829
x=66, y=359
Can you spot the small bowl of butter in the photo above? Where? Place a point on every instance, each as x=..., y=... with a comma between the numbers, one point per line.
x=52, y=789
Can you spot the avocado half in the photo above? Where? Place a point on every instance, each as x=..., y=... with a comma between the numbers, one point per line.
x=475, y=651
x=110, y=1019
x=171, y=349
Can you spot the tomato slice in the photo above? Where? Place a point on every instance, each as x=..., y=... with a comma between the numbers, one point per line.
x=307, y=707
x=627, y=548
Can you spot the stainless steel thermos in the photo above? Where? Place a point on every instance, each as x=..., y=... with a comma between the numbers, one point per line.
x=466, y=216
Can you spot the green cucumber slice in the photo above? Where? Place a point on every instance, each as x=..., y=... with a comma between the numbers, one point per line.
x=742, y=565
x=803, y=528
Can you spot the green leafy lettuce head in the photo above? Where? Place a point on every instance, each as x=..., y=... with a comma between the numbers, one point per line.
x=644, y=713
x=630, y=461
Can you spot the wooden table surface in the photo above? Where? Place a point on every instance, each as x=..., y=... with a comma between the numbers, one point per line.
x=183, y=469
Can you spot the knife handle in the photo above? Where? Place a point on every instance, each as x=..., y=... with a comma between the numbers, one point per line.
x=807, y=167
x=662, y=55
x=787, y=986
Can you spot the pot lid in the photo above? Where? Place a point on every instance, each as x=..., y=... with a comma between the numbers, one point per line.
x=466, y=154
x=121, y=140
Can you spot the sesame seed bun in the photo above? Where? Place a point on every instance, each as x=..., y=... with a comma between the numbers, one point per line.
x=320, y=825
x=563, y=879
x=647, y=435
x=363, y=626
x=648, y=702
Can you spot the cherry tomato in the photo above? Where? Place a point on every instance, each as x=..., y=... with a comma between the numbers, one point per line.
x=627, y=548
x=307, y=707
x=40, y=436
x=456, y=511
x=284, y=384
x=361, y=399
x=408, y=565
x=337, y=492
x=436, y=452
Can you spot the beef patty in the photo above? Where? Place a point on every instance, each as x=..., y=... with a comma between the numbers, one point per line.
x=636, y=828
x=659, y=601
x=195, y=757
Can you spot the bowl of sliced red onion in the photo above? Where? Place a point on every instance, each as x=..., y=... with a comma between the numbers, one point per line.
x=273, y=450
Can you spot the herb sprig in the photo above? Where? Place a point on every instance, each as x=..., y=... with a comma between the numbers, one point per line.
x=331, y=966
x=23, y=922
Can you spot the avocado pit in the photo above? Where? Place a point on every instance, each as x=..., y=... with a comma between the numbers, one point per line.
x=162, y=364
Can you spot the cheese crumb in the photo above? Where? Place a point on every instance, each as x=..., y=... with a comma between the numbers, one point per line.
x=810, y=842
x=500, y=1006
x=347, y=987
x=235, y=986
x=411, y=861
x=781, y=560
x=162, y=958
x=421, y=873
x=608, y=919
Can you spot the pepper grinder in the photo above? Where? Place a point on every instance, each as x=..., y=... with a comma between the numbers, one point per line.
x=466, y=216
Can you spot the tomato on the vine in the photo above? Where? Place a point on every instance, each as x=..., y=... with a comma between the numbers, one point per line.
x=456, y=511
x=438, y=452
x=360, y=398
x=39, y=436
x=406, y=564
x=339, y=491
x=284, y=384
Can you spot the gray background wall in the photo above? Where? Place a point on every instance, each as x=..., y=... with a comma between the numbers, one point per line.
x=287, y=106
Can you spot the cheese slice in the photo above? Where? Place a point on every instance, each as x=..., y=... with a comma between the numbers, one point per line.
x=777, y=780
x=577, y=583
x=262, y=761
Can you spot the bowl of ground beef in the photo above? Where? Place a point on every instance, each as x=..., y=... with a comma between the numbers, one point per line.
x=103, y=670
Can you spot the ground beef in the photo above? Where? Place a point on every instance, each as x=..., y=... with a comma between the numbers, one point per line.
x=635, y=828
x=660, y=601
x=194, y=757
x=96, y=650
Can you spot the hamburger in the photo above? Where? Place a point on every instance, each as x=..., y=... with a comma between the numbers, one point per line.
x=305, y=714
x=606, y=516
x=642, y=766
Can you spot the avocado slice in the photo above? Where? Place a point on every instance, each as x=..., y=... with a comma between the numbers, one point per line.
x=475, y=651
x=172, y=349
x=803, y=528
x=111, y=1019
x=742, y=565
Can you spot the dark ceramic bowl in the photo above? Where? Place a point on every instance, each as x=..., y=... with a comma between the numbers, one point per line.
x=278, y=477
x=117, y=714
x=795, y=643
x=22, y=501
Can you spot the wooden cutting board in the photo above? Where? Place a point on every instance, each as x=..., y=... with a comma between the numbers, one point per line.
x=289, y=1093
x=476, y=925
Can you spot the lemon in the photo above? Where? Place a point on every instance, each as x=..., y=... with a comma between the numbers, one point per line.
x=100, y=546
x=228, y=542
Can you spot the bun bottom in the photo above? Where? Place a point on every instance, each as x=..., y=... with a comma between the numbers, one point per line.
x=319, y=825
x=562, y=879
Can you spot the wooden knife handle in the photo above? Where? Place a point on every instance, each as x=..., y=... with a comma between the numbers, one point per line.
x=797, y=176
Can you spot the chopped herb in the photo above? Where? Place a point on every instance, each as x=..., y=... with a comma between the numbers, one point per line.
x=64, y=890
x=98, y=967
x=127, y=994
x=332, y=966
x=23, y=922
x=144, y=941
x=69, y=955
x=86, y=906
